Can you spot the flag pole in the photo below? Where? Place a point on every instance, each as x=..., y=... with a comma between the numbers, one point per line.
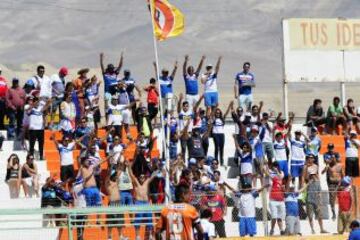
x=164, y=149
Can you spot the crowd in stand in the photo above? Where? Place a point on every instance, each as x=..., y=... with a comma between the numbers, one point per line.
x=270, y=155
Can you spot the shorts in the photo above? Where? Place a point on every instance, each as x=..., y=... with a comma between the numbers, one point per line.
x=192, y=99
x=245, y=101
x=283, y=166
x=67, y=172
x=28, y=181
x=277, y=209
x=153, y=110
x=126, y=115
x=143, y=218
x=55, y=104
x=168, y=103
x=245, y=179
x=313, y=208
x=292, y=225
x=247, y=226
x=115, y=219
x=92, y=196
x=258, y=166
x=352, y=167
x=296, y=168
x=211, y=99
x=126, y=197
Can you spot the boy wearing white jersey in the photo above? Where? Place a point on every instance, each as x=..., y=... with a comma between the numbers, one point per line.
x=280, y=153
x=297, y=155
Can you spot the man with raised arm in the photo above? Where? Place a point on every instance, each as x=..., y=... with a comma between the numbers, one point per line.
x=191, y=81
x=166, y=89
x=209, y=79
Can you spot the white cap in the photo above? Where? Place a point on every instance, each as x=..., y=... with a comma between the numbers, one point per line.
x=255, y=128
x=353, y=132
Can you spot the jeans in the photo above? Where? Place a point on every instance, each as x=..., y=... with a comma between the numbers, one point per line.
x=39, y=136
x=2, y=113
x=126, y=197
x=219, y=142
x=15, y=115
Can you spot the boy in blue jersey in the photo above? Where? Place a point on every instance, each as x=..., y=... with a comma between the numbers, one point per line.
x=166, y=88
x=191, y=81
x=313, y=144
x=244, y=82
x=280, y=153
x=209, y=80
x=292, y=219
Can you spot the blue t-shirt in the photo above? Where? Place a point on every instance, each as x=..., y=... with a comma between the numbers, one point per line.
x=291, y=204
x=314, y=146
x=355, y=234
x=243, y=78
x=109, y=80
x=166, y=86
x=191, y=84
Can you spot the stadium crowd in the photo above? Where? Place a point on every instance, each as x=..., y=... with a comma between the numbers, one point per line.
x=270, y=154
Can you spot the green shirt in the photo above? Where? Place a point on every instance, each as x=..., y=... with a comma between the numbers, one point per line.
x=335, y=110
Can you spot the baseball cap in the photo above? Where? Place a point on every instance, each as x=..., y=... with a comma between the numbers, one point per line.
x=265, y=114
x=255, y=128
x=354, y=224
x=353, y=132
x=298, y=131
x=64, y=71
x=15, y=80
x=209, y=65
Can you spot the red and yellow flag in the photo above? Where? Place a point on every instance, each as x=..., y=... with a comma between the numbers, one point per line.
x=168, y=20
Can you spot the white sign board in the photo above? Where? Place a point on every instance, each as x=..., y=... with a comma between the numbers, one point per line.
x=321, y=50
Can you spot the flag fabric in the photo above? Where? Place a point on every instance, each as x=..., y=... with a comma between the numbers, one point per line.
x=168, y=20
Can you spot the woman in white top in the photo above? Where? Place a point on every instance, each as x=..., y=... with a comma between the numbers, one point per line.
x=218, y=134
x=67, y=115
x=37, y=112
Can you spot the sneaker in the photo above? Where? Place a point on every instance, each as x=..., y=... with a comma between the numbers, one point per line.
x=324, y=231
x=282, y=233
x=312, y=231
x=271, y=232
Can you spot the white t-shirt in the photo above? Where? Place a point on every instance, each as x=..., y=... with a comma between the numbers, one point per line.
x=209, y=228
x=45, y=85
x=280, y=150
x=184, y=118
x=218, y=126
x=66, y=154
x=116, y=150
x=125, y=181
x=211, y=82
x=115, y=114
x=297, y=150
x=268, y=137
x=36, y=118
x=350, y=149
x=246, y=203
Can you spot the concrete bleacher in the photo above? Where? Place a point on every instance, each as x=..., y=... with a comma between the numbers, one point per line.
x=52, y=167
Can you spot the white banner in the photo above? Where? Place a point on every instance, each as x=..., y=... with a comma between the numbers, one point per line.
x=321, y=50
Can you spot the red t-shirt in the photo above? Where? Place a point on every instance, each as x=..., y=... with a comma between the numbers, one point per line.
x=277, y=192
x=152, y=96
x=3, y=87
x=216, y=204
x=344, y=199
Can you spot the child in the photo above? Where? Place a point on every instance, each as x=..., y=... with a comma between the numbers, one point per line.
x=345, y=200
x=297, y=155
x=247, y=213
x=152, y=99
x=280, y=153
x=208, y=227
x=292, y=219
x=245, y=162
